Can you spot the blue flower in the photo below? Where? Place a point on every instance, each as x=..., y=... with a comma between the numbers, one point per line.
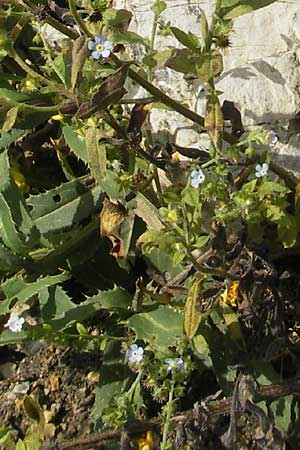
x=135, y=354
x=175, y=364
x=272, y=138
x=261, y=170
x=15, y=323
x=100, y=47
x=197, y=177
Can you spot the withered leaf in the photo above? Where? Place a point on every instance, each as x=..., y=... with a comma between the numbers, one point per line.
x=137, y=118
x=213, y=120
x=112, y=216
x=112, y=89
x=79, y=55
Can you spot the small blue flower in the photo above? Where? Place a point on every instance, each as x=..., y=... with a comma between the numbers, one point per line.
x=15, y=323
x=175, y=364
x=100, y=47
x=272, y=138
x=135, y=354
x=197, y=177
x=261, y=170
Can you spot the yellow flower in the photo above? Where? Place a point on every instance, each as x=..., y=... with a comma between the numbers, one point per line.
x=230, y=295
x=58, y=117
x=146, y=443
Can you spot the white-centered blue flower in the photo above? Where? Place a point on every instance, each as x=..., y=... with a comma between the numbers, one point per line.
x=100, y=47
x=197, y=177
x=15, y=323
x=175, y=364
x=261, y=170
x=135, y=354
x=272, y=138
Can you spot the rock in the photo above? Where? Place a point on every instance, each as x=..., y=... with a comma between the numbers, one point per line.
x=261, y=69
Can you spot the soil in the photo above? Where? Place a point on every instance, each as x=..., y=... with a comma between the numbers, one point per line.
x=62, y=381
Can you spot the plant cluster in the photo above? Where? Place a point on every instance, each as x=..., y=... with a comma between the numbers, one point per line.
x=175, y=263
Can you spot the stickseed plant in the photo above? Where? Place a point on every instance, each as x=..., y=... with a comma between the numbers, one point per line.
x=179, y=272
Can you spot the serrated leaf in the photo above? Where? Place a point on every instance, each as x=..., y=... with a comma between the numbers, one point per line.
x=192, y=315
x=9, y=260
x=76, y=144
x=12, y=197
x=30, y=289
x=54, y=302
x=161, y=327
x=96, y=153
x=61, y=208
x=185, y=39
x=8, y=229
x=20, y=445
x=10, y=119
x=209, y=65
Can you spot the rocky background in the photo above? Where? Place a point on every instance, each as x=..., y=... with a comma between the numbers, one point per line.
x=261, y=71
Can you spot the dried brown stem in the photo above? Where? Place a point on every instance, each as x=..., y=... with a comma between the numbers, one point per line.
x=137, y=428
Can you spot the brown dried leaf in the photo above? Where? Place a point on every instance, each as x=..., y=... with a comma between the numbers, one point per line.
x=111, y=218
x=79, y=55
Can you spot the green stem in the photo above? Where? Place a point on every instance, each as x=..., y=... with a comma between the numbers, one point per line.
x=78, y=19
x=168, y=418
x=160, y=96
x=29, y=70
x=151, y=49
x=72, y=34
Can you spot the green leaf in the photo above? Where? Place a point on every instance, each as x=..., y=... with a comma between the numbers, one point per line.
x=270, y=187
x=6, y=139
x=10, y=119
x=192, y=315
x=129, y=37
x=209, y=65
x=231, y=9
x=286, y=413
x=28, y=290
x=183, y=60
x=54, y=303
x=160, y=327
x=61, y=208
x=114, y=378
x=188, y=40
x=117, y=18
x=13, y=198
x=10, y=261
x=76, y=144
x=204, y=25
x=20, y=445
x=202, y=350
x=288, y=229
x=96, y=153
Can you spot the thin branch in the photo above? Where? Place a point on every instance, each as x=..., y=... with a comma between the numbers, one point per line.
x=211, y=409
